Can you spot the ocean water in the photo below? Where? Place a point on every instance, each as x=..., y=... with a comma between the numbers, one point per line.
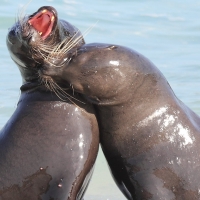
x=167, y=32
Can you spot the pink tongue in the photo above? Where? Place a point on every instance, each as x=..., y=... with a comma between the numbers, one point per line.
x=41, y=23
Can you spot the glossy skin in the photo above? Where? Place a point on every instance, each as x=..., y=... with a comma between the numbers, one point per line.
x=149, y=137
x=48, y=147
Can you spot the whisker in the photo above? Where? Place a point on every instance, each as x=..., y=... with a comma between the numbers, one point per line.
x=77, y=40
x=72, y=88
x=69, y=96
x=57, y=93
x=73, y=44
x=59, y=50
x=47, y=85
x=60, y=92
x=70, y=41
x=55, y=51
x=57, y=47
x=21, y=12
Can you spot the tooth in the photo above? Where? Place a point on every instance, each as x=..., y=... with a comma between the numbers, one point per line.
x=52, y=18
x=44, y=11
x=40, y=33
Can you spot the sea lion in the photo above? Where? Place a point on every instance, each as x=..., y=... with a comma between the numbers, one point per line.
x=49, y=146
x=149, y=137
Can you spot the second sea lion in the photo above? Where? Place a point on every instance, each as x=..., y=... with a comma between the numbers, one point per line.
x=149, y=137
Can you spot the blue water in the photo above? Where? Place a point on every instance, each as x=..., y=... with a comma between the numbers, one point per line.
x=167, y=32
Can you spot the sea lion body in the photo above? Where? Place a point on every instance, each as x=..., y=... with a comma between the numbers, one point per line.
x=49, y=146
x=149, y=137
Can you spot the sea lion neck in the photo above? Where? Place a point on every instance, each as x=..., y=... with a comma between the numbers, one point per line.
x=28, y=86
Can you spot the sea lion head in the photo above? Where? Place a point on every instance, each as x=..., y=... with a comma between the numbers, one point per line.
x=100, y=72
x=35, y=38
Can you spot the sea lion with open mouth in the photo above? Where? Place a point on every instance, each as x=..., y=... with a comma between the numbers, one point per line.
x=149, y=137
x=48, y=147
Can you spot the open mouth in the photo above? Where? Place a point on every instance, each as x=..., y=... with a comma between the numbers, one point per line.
x=43, y=22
